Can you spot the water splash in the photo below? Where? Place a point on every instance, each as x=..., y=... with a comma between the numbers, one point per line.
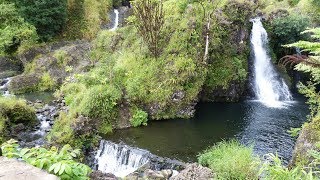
x=120, y=160
x=269, y=87
x=116, y=20
x=4, y=87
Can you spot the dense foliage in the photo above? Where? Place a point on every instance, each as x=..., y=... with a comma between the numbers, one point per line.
x=58, y=162
x=85, y=18
x=12, y=112
x=149, y=22
x=48, y=16
x=287, y=29
x=14, y=31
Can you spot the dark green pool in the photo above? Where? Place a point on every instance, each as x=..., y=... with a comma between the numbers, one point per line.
x=249, y=121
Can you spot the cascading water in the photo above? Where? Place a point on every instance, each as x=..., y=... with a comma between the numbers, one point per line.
x=269, y=87
x=116, y=20
x=120, y=160
x=4, y=86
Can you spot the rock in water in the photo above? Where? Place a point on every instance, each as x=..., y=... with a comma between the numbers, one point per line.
x=12, y=169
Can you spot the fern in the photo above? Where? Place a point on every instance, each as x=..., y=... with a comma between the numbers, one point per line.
x=60, y=163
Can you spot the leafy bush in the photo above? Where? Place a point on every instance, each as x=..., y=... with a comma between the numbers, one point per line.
x=274, y=170
x=231, y=160
x=17, y=111
x=293, y=2
x=99, y=101
x=48, y=16
x=14, y=31
x=286, y=30
x=139, y=118
x=58, y=162
x=47, y=83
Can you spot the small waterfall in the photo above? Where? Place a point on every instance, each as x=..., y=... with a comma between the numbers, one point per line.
x=116, y=20
x=4, y=86
x=269, y=87
x=120, y=160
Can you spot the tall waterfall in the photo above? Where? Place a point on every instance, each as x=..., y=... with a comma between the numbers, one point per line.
x=116, y=20
x=269, y=87
x=120, y=160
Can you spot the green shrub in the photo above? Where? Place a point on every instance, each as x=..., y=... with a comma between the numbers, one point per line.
x=231, y=160
x=17, y=111
x=62, y=57
x=274, y=170
x=85, y=18
x=58, y=162
x=14, y=31
x=99, y=102
x=286, y=30
x=61, y=132
x=14, y=111
x=47, y=83
x=293, y=2
x=48, y=16
x=139, y=118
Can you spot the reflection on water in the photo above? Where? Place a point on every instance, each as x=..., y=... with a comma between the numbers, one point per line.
x=250, y=122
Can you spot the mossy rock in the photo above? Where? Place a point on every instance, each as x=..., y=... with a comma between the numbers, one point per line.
x=307, y=140
x=12, y=112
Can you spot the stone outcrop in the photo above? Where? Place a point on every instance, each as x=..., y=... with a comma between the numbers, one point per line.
x=194, y=171
x=232, y=94
x=307, y=140
x=12, y=169
x=9, y=67
x=98, y=175
x=59, y=61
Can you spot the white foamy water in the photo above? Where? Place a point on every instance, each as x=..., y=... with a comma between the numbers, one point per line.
x=120, y=160
x=269, y=87
x=116, y=20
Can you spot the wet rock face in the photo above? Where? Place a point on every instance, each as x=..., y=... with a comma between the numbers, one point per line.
x=234, y=93
x=9, y=67
x=24, y=83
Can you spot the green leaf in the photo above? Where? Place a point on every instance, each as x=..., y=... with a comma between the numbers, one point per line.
x=57, y=168
x=52, y=167
x=68, y=169
x=62, y=168
x=73, y=154
x=24, y=151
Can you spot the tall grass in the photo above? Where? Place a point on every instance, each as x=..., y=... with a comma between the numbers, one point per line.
x=231, y=160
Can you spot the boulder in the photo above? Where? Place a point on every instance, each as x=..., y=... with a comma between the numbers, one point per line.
x=98, y=175
x=194, y=171
x=12, y=169
x=307, y=140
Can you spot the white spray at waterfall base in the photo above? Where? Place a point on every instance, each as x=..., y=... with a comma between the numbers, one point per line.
x=269, y=87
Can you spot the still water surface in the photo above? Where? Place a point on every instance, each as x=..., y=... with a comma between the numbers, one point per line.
x=250, y=122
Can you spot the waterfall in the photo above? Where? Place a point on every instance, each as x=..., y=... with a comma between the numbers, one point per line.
x=116, y=20
x=269, y=87
x=4, y=86
x=120, y=160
